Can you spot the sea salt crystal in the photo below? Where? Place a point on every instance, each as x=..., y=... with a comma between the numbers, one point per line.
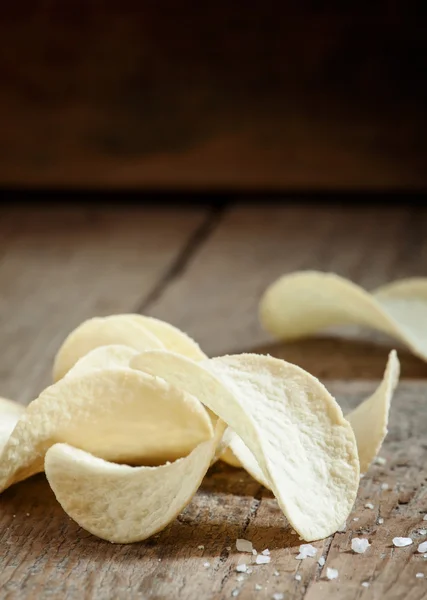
x=359, y=545
x=369, y=505
x=276, y=573
x=298, y=577
x=401, y=542
x=306, y=551
x=293, y=532
x=206, y=564
x=425, y=555
x=422, y=547
x=201, y=547
x=262, y=560
x=425, y=518
x=254, y=552
x=422, y=531
x=356, y=519
x=366, y=583
x=258, y=587
x=384, y=486
x=379, y=460
x=242, y=568
x=235, y=593
x=380, y=521
x=331, y=573
x=240, y=578
x=266, y=552
x=419, y=575
x=278, y=596
x=321, y=561
x=244, y=545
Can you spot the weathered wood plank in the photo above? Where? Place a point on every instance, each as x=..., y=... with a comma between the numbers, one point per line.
x=61, y=266
x=254, y=245
x=45, y=554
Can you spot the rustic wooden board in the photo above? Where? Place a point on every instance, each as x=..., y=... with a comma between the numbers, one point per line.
x=191, y=268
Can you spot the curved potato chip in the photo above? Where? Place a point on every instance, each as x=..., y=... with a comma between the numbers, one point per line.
x=302, y=445
x=303, y=303
x=120, y=503
x=133, y=330
x=10, y=412
x=116, y=414
x=370, y=419
x=369, y=422
x=102, y=331
x=103, y=357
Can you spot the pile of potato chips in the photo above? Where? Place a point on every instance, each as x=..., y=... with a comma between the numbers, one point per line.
x=138, y=413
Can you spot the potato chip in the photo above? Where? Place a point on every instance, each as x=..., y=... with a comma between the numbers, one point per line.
x=303, y=303
x=10, y=412
x=133, y=330
x=369, y=422
x=370, y=419
x=125, y=504
x=118, y=414
x=301, y=444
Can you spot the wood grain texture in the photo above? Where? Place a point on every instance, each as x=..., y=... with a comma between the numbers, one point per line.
x=204, y=271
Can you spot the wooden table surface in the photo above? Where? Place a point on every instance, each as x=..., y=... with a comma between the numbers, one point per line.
x=204, y=269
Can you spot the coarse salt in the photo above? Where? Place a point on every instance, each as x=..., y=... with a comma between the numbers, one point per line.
x=331, y=573
x=422, y=547
x=240, y=578
x=379, y=460
x=425, y=518
x=206, y=564
x=419, y=575
x=380, y=521
x=258, y=587
x=366, y=583
x=401, y=542
x=244, y=545
x=359, y=545
x=384, y=486
x=293, y=532
x=201, y=547
x=254, y=552
x=276, y=573
x=321, y=561
x=262, y=560
x=369, y=505
x=356, y=519
x=235, y=593
x=298, y=577
x=242, y=568
x=266, y=552
x=422, y=531
x=278, y=596
x=306, y=551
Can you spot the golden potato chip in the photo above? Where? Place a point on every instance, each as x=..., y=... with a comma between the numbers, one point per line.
x=125, y=504
x=301, y=444
x=303, y=303
x=118, y=414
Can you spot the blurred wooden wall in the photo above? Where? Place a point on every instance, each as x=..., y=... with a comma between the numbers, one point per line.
x=175, y=94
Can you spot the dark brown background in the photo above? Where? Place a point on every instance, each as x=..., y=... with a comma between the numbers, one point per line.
x=254, y=95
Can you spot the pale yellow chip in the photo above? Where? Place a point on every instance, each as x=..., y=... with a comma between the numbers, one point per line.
x=125, y=504
x=302, y=445
x=10, y=412
x=303, y=303
x=118, y=414
x=369, y=422
x=133, y=330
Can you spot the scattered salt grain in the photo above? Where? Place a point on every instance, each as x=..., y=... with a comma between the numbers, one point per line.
x=242, y=568
x=369, y=505
x=266, y=552
x=240, y=578
x=249, y=570
x=419, y=575
x=422, y=531
x=380, y=521
x=331, y=573
x=383, y=555
x=262, y=560
x=425, y=555
x=228, y=548
x=298, y=577
x=206, y=564
x=254, y=552
x=366, y=583
x=306, y=551
x=244, y=545
x=425, y=518
x=321, y=561
x=422, y=547
x=235, y=593
x=201, y=547
x=276, y=573
x=384, y=486
x=356, y=519
x=278, y=596
x=258, y=587
x=401, y=542
x=379, y=460
x=293, y=532
x=359, y=545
